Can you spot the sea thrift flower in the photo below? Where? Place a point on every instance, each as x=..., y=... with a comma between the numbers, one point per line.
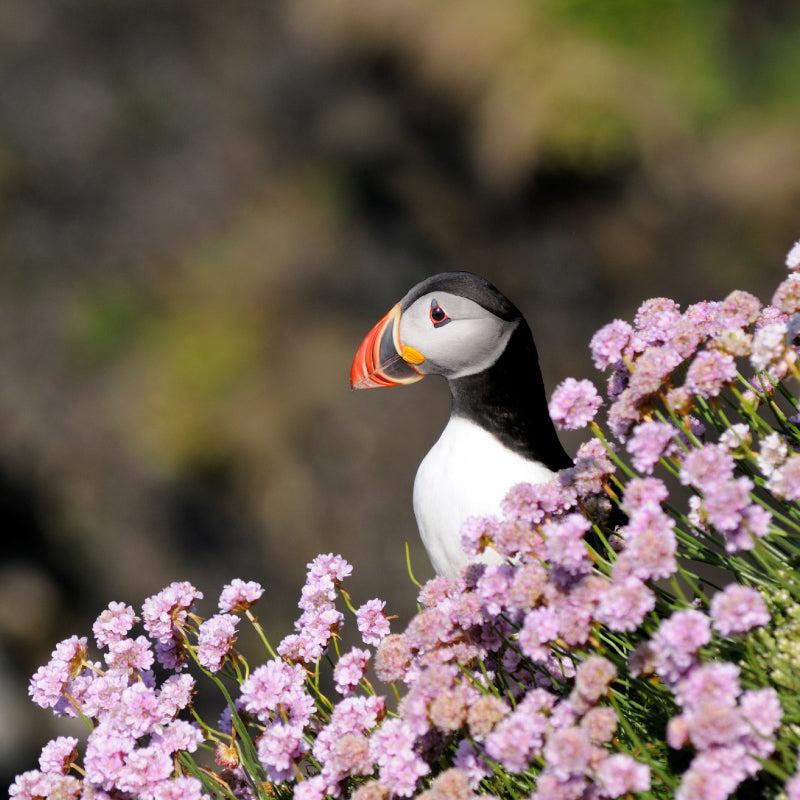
x=279, y=747
x=167, y=610
x=392, y=749
x=574, y=403
x=568, y=752
x=677, y=641
x=58, y=754
x=484, y=713
x=625, y=604
x=610, y=344
x=239, y=595
x=272, y=685
x=785, y=480
x=710, y=372
x=372, y=622
x=350, y=670
x=787, y=295
x=651, y=371
x=772, y=453
x=655, y=320
x=392, y=658
x=593, y=677
x=145, y=768
x=761, y=708
x=565, y=545
x=600, y=724
x=181, y=788
x=769, y=345
x=130, y=654
x=738, y=609
x=516, y=739
x=648, y=443
x=113, y=624
x=642, y=493
x=793, y=257
x=620, y=774
x=478, y=533
x=706, y=465
x=736, y=437
x=215, y=640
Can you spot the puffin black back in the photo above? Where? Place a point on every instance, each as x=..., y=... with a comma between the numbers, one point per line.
x=509, y=401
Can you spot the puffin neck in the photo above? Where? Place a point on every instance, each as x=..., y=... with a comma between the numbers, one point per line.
x=508, y=400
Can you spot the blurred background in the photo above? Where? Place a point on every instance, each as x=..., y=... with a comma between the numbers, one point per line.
x=206, y=205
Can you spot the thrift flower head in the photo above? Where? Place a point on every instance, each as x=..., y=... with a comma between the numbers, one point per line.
x=113, y=624
x=625, y=604
x=574, y=403
x=648, y=443
x=610, y=344
x=167, y=610
x=593, y=677
x=350, y=670
x=58, y=754
x=215, y=640
x=619, y=775
x=710, y=372
x=793, y=257
x=239, y=595
x=372, y=622
x=738, y=609
x=478, y=533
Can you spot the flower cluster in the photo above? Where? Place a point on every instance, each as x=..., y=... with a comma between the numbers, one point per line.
x=642, y=602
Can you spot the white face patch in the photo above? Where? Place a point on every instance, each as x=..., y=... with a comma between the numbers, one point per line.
x=468, y=341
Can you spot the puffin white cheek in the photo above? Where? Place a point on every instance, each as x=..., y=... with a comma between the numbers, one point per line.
x=466, y=346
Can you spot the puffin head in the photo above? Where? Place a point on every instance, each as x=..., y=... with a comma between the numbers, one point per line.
x=452, y=324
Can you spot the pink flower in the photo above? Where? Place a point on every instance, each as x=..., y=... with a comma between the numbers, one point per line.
x=705, y=465
x=762, y=710
x=643, y=492
x=393, y=658
x=565, y=545
x=271, y=685
x=167, y=610
x=113, y=624
x=710, y=372
x=716, y=682
x=350, y=670
x=58, y=754
x=540, y=627
x=516, y=739
x=677, y=641
x=649, y=442
x=787, y=295
x=785, y=481
x=130, y=654
x=279, y=747
x=175, y=694
x=611, y=343
x=625, y=604
x=655, y=319
x=738, y=609
x=392, y=749
x=568, y=752
x=178, y=735
x=372, y=622
x=145, y=769
x=478, y=533
x=593, y=677
x=215, y=640
x=181, y=788
x=239, y=595
x=769, y=346
x=620, y=774
x=574, y=404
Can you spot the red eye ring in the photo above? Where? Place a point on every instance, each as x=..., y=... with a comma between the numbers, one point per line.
x=438, y=315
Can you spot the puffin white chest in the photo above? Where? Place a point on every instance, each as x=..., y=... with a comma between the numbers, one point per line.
x=466, y=473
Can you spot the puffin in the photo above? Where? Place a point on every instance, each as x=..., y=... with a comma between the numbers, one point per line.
x=499, y=433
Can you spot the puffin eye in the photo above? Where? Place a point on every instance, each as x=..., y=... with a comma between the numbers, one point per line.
x=438, y=315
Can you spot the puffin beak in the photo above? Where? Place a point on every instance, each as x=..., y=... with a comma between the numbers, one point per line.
x=381, y=360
